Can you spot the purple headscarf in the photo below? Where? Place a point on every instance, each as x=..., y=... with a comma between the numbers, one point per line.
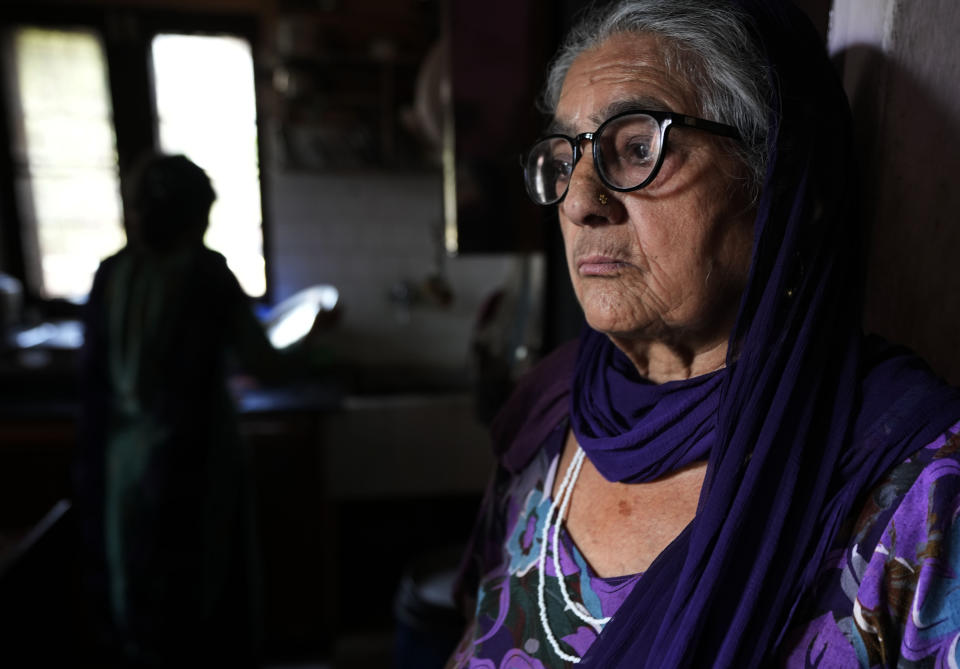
x=634, y=430
x=804, y=420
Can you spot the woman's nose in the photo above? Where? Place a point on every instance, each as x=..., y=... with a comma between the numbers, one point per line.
x=588, y=201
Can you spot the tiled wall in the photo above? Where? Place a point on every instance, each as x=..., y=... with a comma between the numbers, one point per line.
x=366, y=233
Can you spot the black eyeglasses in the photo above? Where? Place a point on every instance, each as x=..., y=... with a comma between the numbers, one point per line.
x=627, y=152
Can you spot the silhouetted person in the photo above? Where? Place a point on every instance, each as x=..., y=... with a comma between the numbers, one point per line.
x=162, y=474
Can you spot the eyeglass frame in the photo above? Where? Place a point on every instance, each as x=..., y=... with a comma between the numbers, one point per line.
x=666, y=119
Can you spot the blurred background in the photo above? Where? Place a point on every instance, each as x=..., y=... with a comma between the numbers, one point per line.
x=366, y=150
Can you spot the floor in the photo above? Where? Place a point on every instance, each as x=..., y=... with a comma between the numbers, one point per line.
x=357, y=652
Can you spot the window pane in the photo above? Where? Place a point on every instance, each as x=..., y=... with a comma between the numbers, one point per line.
x=66, y=156
x=207, y=111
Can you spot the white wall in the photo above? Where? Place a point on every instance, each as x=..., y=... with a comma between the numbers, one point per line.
x=901, y=67
x=365, y=233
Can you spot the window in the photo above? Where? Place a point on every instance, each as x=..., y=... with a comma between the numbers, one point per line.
x=65, y=158
x=206, y=110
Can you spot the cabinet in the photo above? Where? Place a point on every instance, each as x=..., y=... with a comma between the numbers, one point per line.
x=36, y=451
x=343, y=78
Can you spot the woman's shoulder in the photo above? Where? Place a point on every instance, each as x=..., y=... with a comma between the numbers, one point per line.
x=207, y=260
x=209, y=272
x=893, y=591
x=110, y=263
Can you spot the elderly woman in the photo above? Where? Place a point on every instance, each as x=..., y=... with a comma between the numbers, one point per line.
x=722, y=471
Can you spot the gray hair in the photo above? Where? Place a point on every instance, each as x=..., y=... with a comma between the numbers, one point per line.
x=709, y=44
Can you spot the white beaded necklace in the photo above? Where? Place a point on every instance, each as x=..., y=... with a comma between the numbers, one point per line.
x=559, y=506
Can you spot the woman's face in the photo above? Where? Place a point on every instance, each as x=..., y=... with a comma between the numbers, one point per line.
x=668, y=263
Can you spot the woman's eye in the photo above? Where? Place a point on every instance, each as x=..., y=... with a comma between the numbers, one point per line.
x=637, y=152
x=560, y=169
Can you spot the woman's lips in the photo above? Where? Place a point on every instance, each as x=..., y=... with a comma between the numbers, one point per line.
x=599, y=265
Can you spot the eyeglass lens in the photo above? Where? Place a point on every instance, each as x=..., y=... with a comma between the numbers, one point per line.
x=627, y=151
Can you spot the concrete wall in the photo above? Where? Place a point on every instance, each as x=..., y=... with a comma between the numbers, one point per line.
x=901, y=66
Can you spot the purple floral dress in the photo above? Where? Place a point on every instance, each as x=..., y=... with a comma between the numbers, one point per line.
x=888, y=596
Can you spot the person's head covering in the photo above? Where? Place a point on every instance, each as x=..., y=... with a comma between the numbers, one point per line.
x=802, y=423
x=171, y=200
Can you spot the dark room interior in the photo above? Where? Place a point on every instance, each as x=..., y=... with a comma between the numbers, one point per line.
x=352, y=147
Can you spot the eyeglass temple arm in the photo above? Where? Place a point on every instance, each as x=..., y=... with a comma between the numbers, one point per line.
x=710, y=126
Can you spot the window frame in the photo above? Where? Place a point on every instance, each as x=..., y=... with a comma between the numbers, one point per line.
x=127, y=35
